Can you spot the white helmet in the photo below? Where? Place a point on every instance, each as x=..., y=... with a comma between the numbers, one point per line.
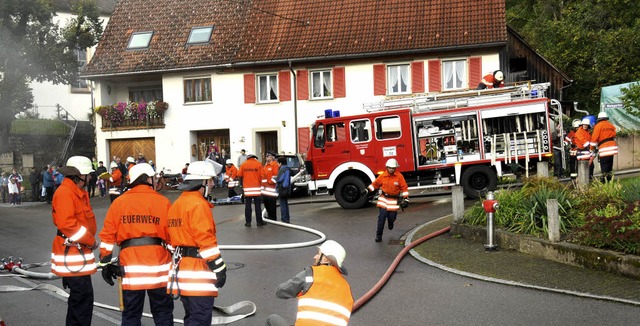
x=113, y=165
x=228, y=162
x=498, y=75
x=575, y=123
x=140, y=169
x=200, y=170
x=334, y=252
x=77, y=165
x=603, y=115
x=586, y=121
x=131, y=159
x=392, y=163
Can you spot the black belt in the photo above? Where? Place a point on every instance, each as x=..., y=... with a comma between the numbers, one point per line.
x=186, y=251
x=142, y=241
x=606, y=140
x=60, y=234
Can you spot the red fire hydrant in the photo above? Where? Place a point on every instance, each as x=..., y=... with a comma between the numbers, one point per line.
x=490, y=205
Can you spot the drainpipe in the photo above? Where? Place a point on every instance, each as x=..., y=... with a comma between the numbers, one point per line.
x=295, y=105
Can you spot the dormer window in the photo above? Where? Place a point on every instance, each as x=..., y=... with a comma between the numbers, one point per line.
x=139, y=40
x=200, y=35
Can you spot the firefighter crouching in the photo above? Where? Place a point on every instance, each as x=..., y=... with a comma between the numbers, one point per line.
x=72, y=249
x=395, y=194
x=137, y=222
x=583, y=141
x=197, y=270
x=604, y=137
x=230, y=177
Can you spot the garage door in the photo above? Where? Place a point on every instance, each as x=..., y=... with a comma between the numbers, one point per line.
x=124, y=148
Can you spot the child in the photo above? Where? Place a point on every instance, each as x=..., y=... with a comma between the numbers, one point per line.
x=14, y=192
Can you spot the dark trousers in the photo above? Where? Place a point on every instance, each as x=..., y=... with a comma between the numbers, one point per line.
x=284, y=209
x=606, y=166
x=160, y=302
x=573, y=166
x=382, y=217
x=270, y=205
x=113, y=197
x=5, y=192
x=232, y=192
x=197, y=310
x=80, y=302
x=35, y=193
x=49, y=194
x=257, y=203
x=557, y=163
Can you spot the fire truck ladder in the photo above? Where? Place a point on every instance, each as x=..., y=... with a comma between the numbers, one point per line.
x=452, y=100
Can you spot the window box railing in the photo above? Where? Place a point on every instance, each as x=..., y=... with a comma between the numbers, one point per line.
x=132, y=115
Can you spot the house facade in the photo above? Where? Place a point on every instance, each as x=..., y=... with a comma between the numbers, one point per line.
x=254, y=75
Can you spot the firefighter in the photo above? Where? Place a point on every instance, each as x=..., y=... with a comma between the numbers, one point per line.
x=72, y=249
x=604, y=138
x=230, y=177
x=569, y=141
x=492, y=80
x=198, y=270
x=131, y=162
x=137, y=222
x=251, y=173
x=269, y=193
x=324, y=295
x=583, y=141
x=394, y=195
x=115, y=181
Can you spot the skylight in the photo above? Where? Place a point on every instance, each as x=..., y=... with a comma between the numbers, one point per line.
x=140, y=40
x=200, y=35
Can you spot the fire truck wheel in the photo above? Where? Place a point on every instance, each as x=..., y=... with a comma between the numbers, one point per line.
x=348, y=192
x=477, y=180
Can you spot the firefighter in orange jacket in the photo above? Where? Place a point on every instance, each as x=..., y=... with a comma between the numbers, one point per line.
x=230, y=178
x=395, y=194
x=573, y=152
x=137, y=222
x=604, y=138
x=269, y=193
x=115, y=182
x=72, y=249
x=197, y=270
x=324, y=295
x=583, y=142
x=251, y=173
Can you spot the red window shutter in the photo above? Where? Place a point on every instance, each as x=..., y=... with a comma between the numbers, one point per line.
x=379, y=80
x=302, y=80
x=417, y=77
x=475, y=71
x=435, y=80
x=284, y=86
x=249, y=88
x=339, y=89
x=303, y=140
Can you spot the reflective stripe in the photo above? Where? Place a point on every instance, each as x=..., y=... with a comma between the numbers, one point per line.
x=196, y=275
x=107, y=246
x=214, y=251
x=405, y=194
x=162, y=279
x=196, y=286
x=252, y=191
x=271, y=192
x=147, y=269
x=322, y=317
x=78, y=234
x=89, y=267
x=308, y=279
x=328, y=305
x=608, y=151
x=72, y=258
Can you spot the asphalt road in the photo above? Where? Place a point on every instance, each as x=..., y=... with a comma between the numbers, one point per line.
x=416, y=294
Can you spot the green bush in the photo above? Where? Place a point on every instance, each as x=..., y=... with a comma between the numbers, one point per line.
x=39, y=127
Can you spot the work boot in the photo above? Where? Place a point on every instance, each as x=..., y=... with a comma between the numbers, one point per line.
x=390, y=225
x=247, y=224
x=378, y=238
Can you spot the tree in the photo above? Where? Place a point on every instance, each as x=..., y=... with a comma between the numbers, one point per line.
x=596, y=42
x=34, y=48
x=631, y=99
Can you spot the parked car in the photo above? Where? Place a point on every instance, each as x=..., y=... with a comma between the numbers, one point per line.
x=299, y=176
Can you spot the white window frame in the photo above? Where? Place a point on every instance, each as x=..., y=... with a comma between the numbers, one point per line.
x=198, y=97
x=267, y=93
x=456, y=68
x=81, y=84
x=325, y=78
x=397, y=73
x=196, y=31
x=140, y=37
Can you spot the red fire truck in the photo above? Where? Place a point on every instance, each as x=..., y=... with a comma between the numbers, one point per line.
x=440, y=140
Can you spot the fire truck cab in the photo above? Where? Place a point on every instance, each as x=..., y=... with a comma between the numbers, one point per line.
x=467, y=138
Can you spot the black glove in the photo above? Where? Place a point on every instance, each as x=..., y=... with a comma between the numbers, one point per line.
x=405, y=203
x=364, y=192
x=107, y=271
x=95, y=246
x=220, y=268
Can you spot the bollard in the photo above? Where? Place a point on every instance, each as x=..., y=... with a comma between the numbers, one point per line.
x=490, y=205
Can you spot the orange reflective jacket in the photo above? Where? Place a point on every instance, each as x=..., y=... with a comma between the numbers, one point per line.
x=328, y=301
x=116, y=178
x=74, y=218
x=582, y=141
x=230, y=176
x=604, y=137
x=269, y=173
x=391, y=185
x=139, y=212
x=191, y=224
x=251, y=173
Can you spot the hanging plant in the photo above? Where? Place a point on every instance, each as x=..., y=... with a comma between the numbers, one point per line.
x=118, y=113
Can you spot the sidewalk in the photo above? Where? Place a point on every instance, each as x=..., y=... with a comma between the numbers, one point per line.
x=464, y=257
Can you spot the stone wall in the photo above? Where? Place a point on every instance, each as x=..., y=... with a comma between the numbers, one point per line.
x=28, y=151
